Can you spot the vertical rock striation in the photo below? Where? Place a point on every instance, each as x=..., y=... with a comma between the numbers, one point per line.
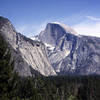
x=71, y=53
x=26, y=53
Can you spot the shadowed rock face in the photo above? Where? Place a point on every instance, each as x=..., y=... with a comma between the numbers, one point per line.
x=64, y=51
x=26, y=53
x=53, y=33
x=71, y=53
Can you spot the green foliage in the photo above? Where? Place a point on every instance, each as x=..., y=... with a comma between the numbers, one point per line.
x=56, y=88
x=13, y=87
x=71, y=97
x=6, y=68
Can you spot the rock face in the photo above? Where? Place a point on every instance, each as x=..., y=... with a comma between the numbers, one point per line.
x=70, y=53
x=26, y=53
x=57, y=50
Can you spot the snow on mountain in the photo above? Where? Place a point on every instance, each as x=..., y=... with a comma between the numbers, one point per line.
x=50, y=47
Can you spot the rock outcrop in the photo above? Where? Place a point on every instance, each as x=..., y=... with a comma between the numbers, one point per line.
x=70, y=53
x=57, y=50
x=26, y=53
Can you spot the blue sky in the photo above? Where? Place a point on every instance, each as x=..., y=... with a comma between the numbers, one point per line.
x=30, y=16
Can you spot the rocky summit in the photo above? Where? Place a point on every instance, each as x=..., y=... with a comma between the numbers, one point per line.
x=57, y=50
x=70, y=53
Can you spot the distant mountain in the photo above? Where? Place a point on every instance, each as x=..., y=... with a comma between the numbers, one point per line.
x=28, y=55
x=70, y=53
x=54, y=32
x=56, y=50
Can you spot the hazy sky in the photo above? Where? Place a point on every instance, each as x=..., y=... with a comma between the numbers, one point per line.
x=30, y=16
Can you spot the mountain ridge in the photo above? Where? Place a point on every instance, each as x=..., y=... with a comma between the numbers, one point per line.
x=71, y=51
x=30, y=53
x=55, y=51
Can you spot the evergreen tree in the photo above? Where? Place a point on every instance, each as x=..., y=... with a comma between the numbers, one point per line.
x=6, y=68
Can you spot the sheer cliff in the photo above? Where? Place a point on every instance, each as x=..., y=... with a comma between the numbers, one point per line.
x=70, y=53
x=26, y=53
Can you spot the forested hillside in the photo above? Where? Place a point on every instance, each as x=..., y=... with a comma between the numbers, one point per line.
x=13, y=87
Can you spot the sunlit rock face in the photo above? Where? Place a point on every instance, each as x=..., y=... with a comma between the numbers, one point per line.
x=70, y=53
x=56, y=50
x=26, y=53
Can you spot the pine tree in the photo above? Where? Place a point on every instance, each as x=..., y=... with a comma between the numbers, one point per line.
x=5, y=69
